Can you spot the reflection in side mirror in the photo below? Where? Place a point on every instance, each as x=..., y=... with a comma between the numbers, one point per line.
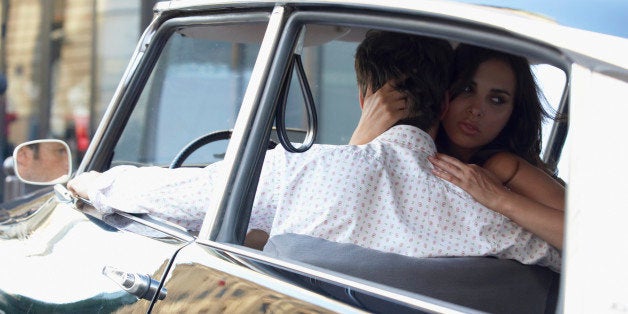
x=43, y=162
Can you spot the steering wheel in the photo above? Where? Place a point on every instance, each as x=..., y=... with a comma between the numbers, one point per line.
x=202, y=141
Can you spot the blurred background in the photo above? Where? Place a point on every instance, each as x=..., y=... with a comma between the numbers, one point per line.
x=60, y=62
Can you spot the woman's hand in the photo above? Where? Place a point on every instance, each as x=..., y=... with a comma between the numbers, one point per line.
x=380, y=111
x=482, y=184
x=522, y=204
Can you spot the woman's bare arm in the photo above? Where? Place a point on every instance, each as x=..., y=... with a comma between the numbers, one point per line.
x=532, y=199
x=530, y=181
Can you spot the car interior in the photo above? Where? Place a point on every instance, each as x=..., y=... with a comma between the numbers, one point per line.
x=318, y=104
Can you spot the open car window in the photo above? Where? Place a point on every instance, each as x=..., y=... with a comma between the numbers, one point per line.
x=195, y=88
x=330, y=74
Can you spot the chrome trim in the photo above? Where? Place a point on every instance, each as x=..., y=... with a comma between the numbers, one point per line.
x=141, y=286
x=245, y=117
x=173, y=230
x=22, y=219
x=420, y=304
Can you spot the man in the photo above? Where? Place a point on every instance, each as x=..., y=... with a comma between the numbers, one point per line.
x=381, y=195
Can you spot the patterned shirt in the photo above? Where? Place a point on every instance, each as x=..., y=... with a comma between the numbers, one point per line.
x=381, y=195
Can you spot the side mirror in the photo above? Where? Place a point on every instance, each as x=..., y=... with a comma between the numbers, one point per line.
x=43, y=162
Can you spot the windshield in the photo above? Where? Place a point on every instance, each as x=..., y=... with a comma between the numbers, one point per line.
x=196, y=87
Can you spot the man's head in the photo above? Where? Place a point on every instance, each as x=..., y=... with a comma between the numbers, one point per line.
x=419, y=65
x=42, y=161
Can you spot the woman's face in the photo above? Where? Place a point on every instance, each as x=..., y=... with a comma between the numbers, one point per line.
x=481, y=110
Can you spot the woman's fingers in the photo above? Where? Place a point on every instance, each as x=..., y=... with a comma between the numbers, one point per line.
x=450, y=164
x=451, y=160
x=445, y=175
x=475, y=180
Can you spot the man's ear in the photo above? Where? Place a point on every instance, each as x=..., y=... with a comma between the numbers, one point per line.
x=361, y=99
x=445, y=106
x=24, y=156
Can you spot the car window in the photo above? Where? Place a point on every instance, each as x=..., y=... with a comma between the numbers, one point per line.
x=196, y=87
x=329, y=68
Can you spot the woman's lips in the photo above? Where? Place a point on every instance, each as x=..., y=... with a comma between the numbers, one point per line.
x=468, y=128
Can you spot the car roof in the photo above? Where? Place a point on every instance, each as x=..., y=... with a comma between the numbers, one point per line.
x=600, y=52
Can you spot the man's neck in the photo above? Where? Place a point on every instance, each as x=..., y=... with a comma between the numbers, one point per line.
x=432, y=131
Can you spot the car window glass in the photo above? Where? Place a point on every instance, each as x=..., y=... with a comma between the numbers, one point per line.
x=196, y=87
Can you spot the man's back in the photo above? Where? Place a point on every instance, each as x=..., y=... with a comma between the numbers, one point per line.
x=383, y=196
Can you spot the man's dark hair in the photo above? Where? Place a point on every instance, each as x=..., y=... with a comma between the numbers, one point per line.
x=35, y=148
x=420, y=65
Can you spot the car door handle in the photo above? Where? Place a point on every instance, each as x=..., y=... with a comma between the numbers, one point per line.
x=141, y=286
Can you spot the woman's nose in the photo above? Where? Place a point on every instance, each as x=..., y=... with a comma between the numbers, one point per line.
x=475, y=109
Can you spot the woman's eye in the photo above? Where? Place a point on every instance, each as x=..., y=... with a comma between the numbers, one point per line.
x=467, y=89
x=498, y=100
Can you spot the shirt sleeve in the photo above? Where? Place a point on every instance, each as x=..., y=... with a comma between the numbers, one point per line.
x=179, y=195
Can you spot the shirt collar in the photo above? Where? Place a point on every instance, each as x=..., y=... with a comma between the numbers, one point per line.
x=410, y=137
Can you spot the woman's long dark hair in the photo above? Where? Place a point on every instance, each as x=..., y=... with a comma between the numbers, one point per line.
x=522, y=133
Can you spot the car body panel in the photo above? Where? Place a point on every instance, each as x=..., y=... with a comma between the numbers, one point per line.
x=208, y=280
x=54, y=260
x=595, y=265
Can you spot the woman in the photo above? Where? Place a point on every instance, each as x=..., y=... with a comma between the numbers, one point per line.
x=491, y=131
x=494, y=119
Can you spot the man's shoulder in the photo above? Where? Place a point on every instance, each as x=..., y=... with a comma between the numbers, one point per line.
x=369, y=151
x=364, y=154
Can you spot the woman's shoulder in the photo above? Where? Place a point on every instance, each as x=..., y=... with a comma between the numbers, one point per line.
x=504, y=165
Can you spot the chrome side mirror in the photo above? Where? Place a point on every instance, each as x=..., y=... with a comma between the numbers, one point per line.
x=43, y=162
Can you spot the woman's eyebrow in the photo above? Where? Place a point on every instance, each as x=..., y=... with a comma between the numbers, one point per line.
x=501, y=91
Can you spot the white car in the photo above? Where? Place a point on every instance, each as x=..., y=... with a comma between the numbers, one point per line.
x=205, y=71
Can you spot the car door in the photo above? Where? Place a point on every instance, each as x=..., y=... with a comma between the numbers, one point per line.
x=204, y=278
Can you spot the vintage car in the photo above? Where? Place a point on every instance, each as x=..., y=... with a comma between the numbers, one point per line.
x=239, y=73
